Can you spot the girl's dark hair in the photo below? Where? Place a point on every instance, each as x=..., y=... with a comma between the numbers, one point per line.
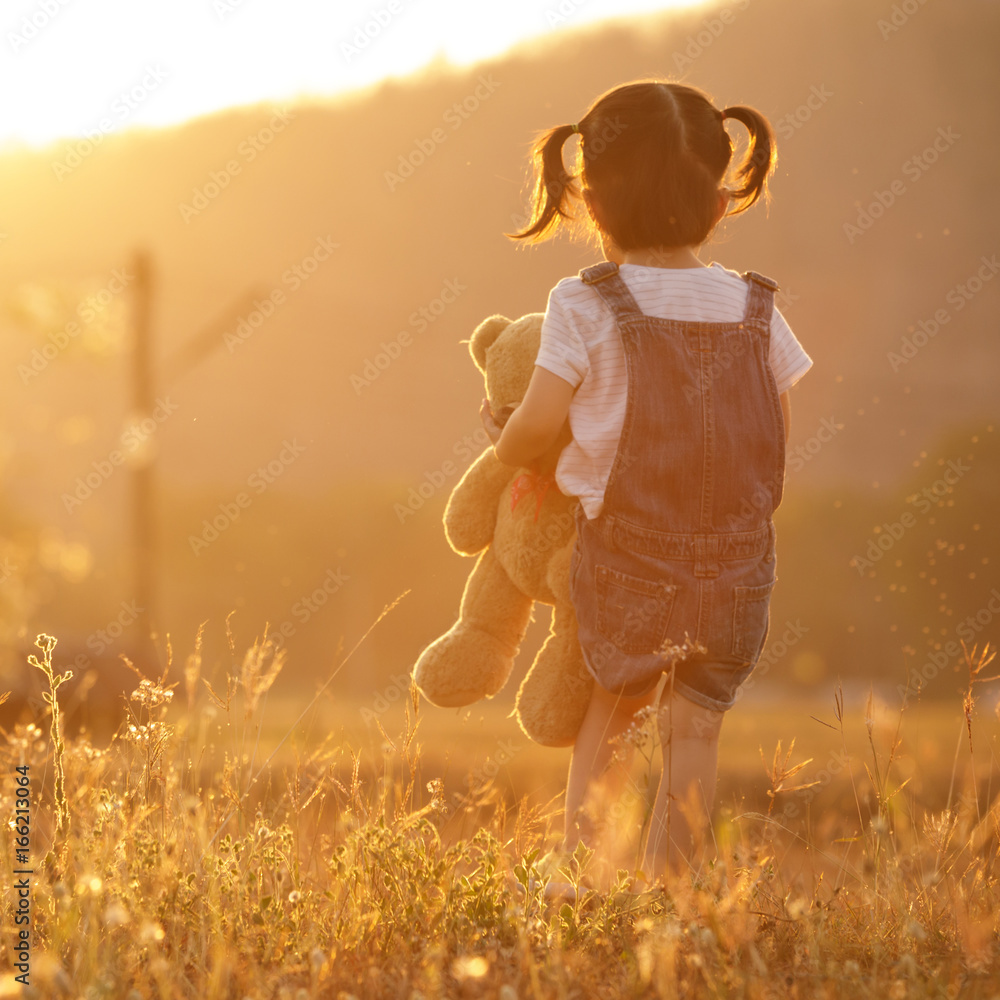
x=655, y=155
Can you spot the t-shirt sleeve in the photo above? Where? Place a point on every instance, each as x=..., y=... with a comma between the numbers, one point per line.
x=789, y=361
x=562, y=350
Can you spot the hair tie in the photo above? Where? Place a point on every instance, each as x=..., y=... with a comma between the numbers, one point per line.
x=722, y=116
x=576, y=127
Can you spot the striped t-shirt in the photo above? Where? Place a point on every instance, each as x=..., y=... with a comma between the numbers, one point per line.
x=580, y=343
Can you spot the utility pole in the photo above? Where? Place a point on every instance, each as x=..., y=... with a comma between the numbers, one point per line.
x=145, y=558
x=145, y=569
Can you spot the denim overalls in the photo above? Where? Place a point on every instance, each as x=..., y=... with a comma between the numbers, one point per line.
x=685, y=542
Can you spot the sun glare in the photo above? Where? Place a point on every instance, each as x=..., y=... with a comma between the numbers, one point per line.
x=80, y=70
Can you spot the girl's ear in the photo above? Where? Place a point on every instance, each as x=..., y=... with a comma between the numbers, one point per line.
x=485, y=334
x=725, y=196
x=594, y=207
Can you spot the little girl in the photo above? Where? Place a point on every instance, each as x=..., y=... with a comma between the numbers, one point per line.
x=674, y=376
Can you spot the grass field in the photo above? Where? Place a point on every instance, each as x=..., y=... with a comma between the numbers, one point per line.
x=231, y=844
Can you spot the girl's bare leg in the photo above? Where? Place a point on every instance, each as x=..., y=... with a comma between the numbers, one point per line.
x=608, y=715
x=689, y=738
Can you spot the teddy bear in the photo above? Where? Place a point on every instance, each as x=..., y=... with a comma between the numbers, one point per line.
x=523, y=528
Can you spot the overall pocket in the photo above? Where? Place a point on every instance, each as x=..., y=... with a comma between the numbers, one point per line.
x=751, y=619
x=632, y=612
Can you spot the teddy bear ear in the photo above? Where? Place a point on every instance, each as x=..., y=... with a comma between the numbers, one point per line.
x=485, y=334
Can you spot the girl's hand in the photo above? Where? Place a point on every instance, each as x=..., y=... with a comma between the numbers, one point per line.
x=492, y=428
x=533, y=425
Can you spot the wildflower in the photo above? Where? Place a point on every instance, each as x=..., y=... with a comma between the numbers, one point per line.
x=436, y=787
x=150, y=695
x=115, y=915
x=83, y=748
x=25, y=737
x=151, y=933
x=470, y=967
x=46, y=643
x=151, y=733
x=674, y=654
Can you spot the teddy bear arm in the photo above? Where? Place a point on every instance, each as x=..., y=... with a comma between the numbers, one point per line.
x=470, y=517
x=474, y=658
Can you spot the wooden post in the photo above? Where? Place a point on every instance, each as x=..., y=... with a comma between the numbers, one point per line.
x=144, y=550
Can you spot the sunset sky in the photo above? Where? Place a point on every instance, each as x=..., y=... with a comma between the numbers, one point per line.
x=70, y=69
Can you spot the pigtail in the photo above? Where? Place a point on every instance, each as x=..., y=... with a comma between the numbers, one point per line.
x=553, y=185
x=757, y=165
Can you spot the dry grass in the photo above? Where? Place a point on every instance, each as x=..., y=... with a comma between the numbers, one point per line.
x=191, y=865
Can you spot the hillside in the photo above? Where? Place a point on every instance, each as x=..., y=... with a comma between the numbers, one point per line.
x=882, y=232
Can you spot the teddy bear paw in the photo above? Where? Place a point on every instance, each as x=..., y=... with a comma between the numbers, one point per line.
x=464, y=665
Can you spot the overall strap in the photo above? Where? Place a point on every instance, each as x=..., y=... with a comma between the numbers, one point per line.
x=760, y=300
x=608, y=283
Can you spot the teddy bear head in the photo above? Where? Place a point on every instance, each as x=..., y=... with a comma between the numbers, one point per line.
x=504, y=351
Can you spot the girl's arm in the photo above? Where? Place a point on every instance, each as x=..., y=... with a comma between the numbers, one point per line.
x=534, y=426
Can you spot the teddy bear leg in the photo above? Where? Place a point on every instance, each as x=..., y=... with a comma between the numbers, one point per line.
x=555, y=693
x=473, y=659
x=554, y=696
